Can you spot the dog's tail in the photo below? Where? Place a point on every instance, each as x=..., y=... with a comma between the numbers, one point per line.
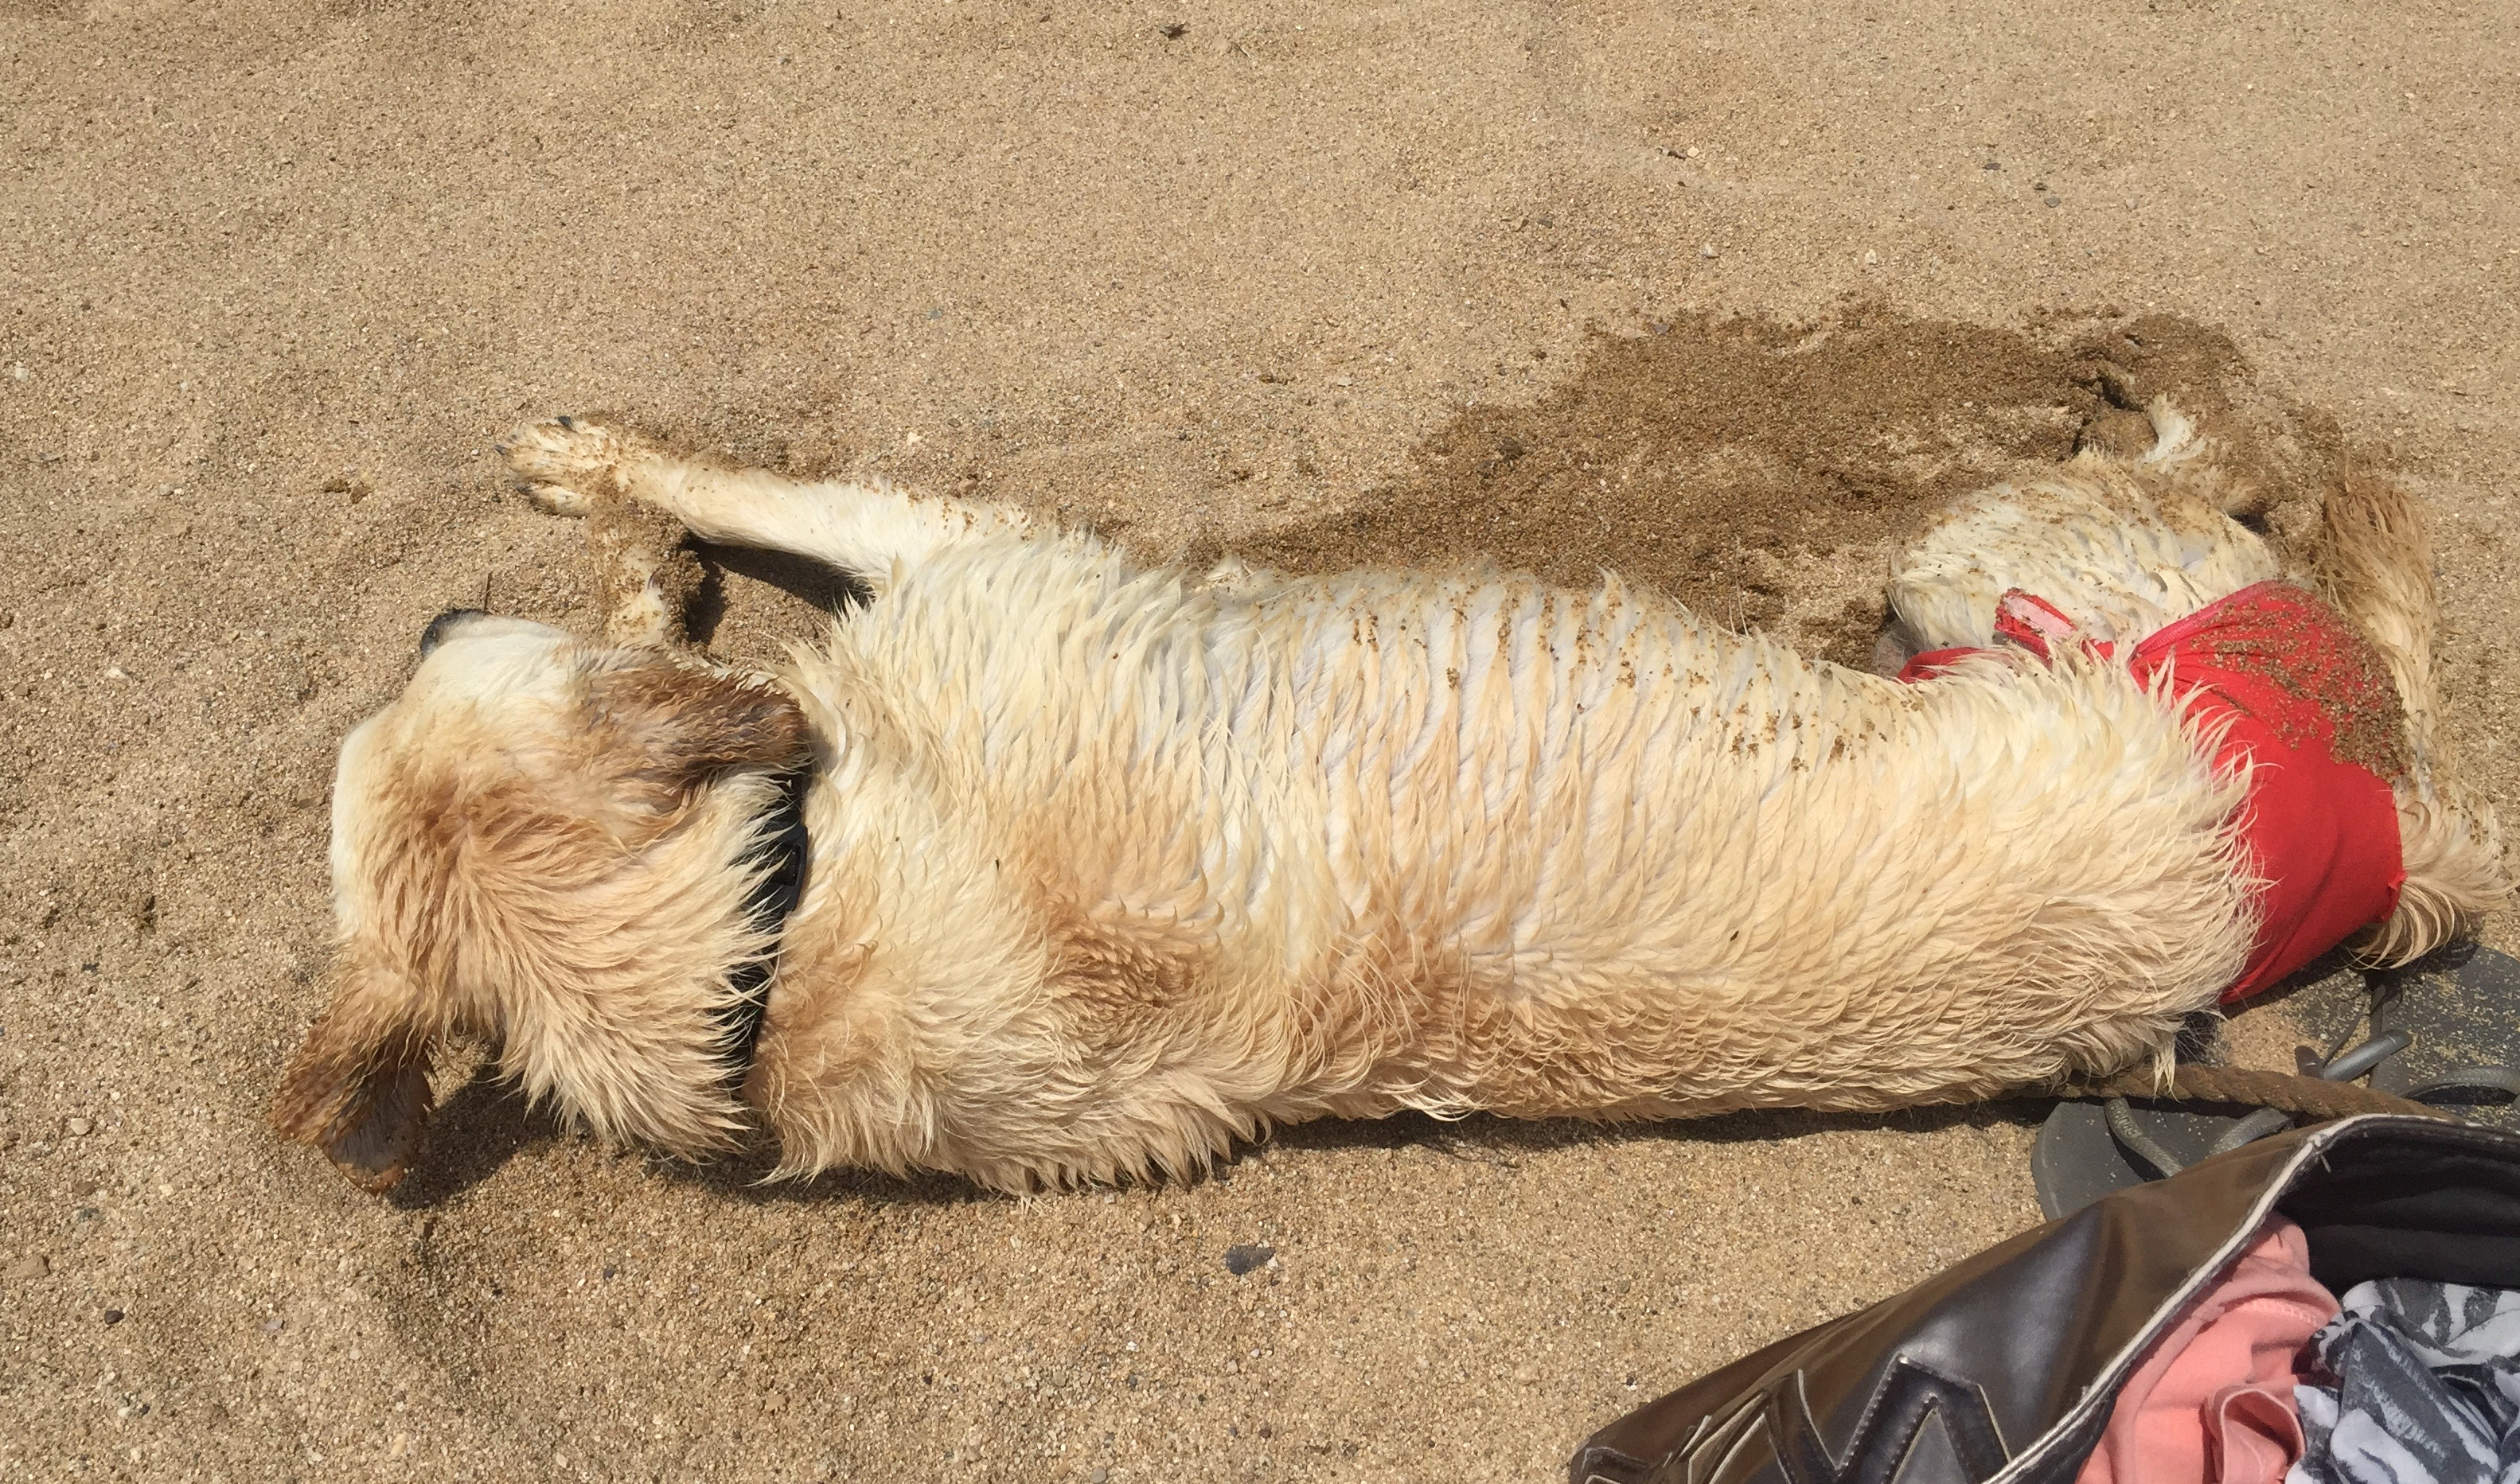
x=2373, y=559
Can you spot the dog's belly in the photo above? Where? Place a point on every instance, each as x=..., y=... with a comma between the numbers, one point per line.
x=1584, y=854
x=1352, y=845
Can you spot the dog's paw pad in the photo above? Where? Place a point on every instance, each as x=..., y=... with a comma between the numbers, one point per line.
x=565, y=463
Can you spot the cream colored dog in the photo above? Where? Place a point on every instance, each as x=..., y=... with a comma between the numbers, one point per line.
x=1110, y=865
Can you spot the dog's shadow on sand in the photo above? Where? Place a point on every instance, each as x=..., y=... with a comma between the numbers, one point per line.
x=1502, y=1143
x=487, y=1122
x=1506, y=1142
x=824, y=588
x=474, y=1131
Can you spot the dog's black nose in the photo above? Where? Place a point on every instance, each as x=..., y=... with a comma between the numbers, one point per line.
x=442, y=625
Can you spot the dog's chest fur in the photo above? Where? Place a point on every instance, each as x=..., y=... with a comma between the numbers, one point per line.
x=1106, y=862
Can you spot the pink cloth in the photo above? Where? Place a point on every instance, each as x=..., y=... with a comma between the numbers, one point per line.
x=2210, y=1402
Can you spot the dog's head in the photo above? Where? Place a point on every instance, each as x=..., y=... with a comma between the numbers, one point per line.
x=534, y=844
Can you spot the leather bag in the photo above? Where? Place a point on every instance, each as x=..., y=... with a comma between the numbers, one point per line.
x=2004, y=1368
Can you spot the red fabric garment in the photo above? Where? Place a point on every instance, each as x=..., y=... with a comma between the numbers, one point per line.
x=2279, y=674
x=2212, y=1401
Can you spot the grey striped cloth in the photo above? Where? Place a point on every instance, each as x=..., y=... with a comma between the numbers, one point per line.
x=2426, y=1389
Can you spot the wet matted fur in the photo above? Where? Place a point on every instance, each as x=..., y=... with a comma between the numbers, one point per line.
x=1112, y=864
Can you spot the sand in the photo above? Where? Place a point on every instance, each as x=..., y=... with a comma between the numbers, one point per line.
x=1717, y=294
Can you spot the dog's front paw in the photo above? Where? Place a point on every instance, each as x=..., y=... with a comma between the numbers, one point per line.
x=568, y=464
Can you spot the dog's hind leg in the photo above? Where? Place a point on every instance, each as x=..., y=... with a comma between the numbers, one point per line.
x=865, y=529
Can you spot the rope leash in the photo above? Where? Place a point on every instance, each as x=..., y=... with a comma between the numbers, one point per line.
x=2285, y=1092
x=2323, y=1090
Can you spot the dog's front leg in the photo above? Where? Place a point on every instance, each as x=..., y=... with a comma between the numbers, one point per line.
x=570, y=463
x=647, y=575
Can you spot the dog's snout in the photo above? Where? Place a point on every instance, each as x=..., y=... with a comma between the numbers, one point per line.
x=442, y=625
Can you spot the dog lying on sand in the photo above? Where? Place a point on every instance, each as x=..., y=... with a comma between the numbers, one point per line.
x=1048, y=866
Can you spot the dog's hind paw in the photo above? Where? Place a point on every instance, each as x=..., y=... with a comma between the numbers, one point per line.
x=567, y=464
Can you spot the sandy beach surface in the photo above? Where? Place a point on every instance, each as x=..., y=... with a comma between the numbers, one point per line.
x=1721, y=295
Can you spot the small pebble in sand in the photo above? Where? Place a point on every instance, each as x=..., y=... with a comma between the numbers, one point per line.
x=1706, y=251
x=274, y=1326
x=31, y=1266
x=1099, y=1477
x=2055, y=200
x=79, y=1128
x=1243, y=1258
x=112, y=1317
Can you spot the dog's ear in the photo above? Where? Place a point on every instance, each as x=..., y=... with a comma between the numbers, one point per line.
x=677, y=724
x=358, y=1088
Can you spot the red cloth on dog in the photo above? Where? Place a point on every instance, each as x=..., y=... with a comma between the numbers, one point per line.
x=2280, y=673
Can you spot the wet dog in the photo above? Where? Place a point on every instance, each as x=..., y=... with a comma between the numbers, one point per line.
x=1048, y=866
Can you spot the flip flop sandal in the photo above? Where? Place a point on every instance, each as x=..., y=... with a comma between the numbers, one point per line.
x=2448, y=1034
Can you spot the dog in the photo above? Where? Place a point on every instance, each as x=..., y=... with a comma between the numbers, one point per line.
x=1050, y=866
